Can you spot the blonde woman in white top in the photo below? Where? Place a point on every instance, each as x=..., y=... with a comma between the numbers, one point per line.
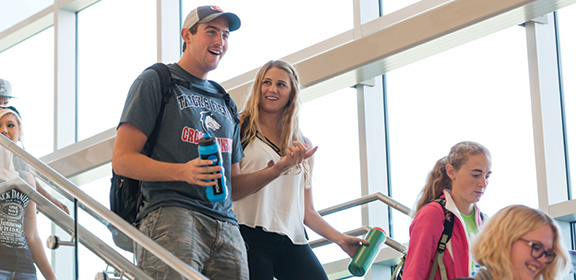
x=272, y=218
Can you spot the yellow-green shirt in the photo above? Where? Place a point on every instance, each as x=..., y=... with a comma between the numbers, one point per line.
x=472, y=230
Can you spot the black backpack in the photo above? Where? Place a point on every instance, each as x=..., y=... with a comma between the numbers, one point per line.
x=125, y=195
x=446, y=235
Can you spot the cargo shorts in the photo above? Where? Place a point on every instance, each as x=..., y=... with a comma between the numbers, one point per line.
x=214, y=248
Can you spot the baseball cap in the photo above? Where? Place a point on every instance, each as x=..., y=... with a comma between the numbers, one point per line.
x=204, y=14
x=5, y=89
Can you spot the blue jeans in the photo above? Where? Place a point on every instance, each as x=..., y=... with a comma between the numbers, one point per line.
x=273, y=255
x=7, y=275
x=212, y=247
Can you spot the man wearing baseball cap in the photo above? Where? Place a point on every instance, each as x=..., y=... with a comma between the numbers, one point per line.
x=5, y=92
x=177, y=213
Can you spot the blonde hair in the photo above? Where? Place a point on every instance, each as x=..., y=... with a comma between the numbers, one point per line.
x=7, y=110
x=493, y=244
x=290, y=122
x=438, y=179
x=290, y=119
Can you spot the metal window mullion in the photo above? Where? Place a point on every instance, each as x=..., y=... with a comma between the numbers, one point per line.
x=546, y=113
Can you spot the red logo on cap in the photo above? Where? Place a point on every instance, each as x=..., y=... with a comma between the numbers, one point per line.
x=216, y=8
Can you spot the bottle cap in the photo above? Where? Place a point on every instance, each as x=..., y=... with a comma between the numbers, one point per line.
x=380, y=229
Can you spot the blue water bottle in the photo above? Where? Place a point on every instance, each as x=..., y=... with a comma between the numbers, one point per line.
x=208, y=149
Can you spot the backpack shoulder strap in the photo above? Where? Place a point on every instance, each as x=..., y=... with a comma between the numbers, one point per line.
x=166, y=89
x=399, y=270
x=446, y=235
x=448, y=221
x=165, y=78
x=218, y=87
x=483, y=217
x=228, y=100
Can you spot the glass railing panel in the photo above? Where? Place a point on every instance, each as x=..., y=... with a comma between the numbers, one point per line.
x=84, y=234
x=89, y=217
x=332, y=252
x=67, y=227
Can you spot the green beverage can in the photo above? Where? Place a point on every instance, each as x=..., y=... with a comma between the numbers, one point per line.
x=366, y=254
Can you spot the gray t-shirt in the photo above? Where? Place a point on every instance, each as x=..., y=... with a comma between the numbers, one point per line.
x=187, y=116
x=14, y=251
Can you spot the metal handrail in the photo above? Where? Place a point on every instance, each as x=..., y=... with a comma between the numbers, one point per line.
x=171, y=260
x=323, y=241
x=66, y=223
x=363, y=230
x=366, y=199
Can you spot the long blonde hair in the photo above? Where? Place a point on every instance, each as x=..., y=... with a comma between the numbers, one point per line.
x=290, y=118
x=493, y=244
x=438, y=179
x=290, y=122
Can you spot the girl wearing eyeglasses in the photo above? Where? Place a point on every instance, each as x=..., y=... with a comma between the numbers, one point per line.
x=520, y=243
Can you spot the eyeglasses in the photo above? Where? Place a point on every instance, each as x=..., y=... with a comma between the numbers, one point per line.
x=538, y=251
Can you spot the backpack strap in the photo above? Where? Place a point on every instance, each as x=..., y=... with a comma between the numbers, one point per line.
x=399, y=270
x=446, y=235
x=228, y=101
x=166, y=89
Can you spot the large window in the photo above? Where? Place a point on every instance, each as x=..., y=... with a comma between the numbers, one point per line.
x=567, y=46
x=29, y=66
x=390, y=6
x=274, y=29
x=331, y=123
x=116, y=42
x=12, y=12
x=479, y=92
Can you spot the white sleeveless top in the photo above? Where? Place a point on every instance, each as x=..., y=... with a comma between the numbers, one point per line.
x=7, y=169
x=279, y=206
